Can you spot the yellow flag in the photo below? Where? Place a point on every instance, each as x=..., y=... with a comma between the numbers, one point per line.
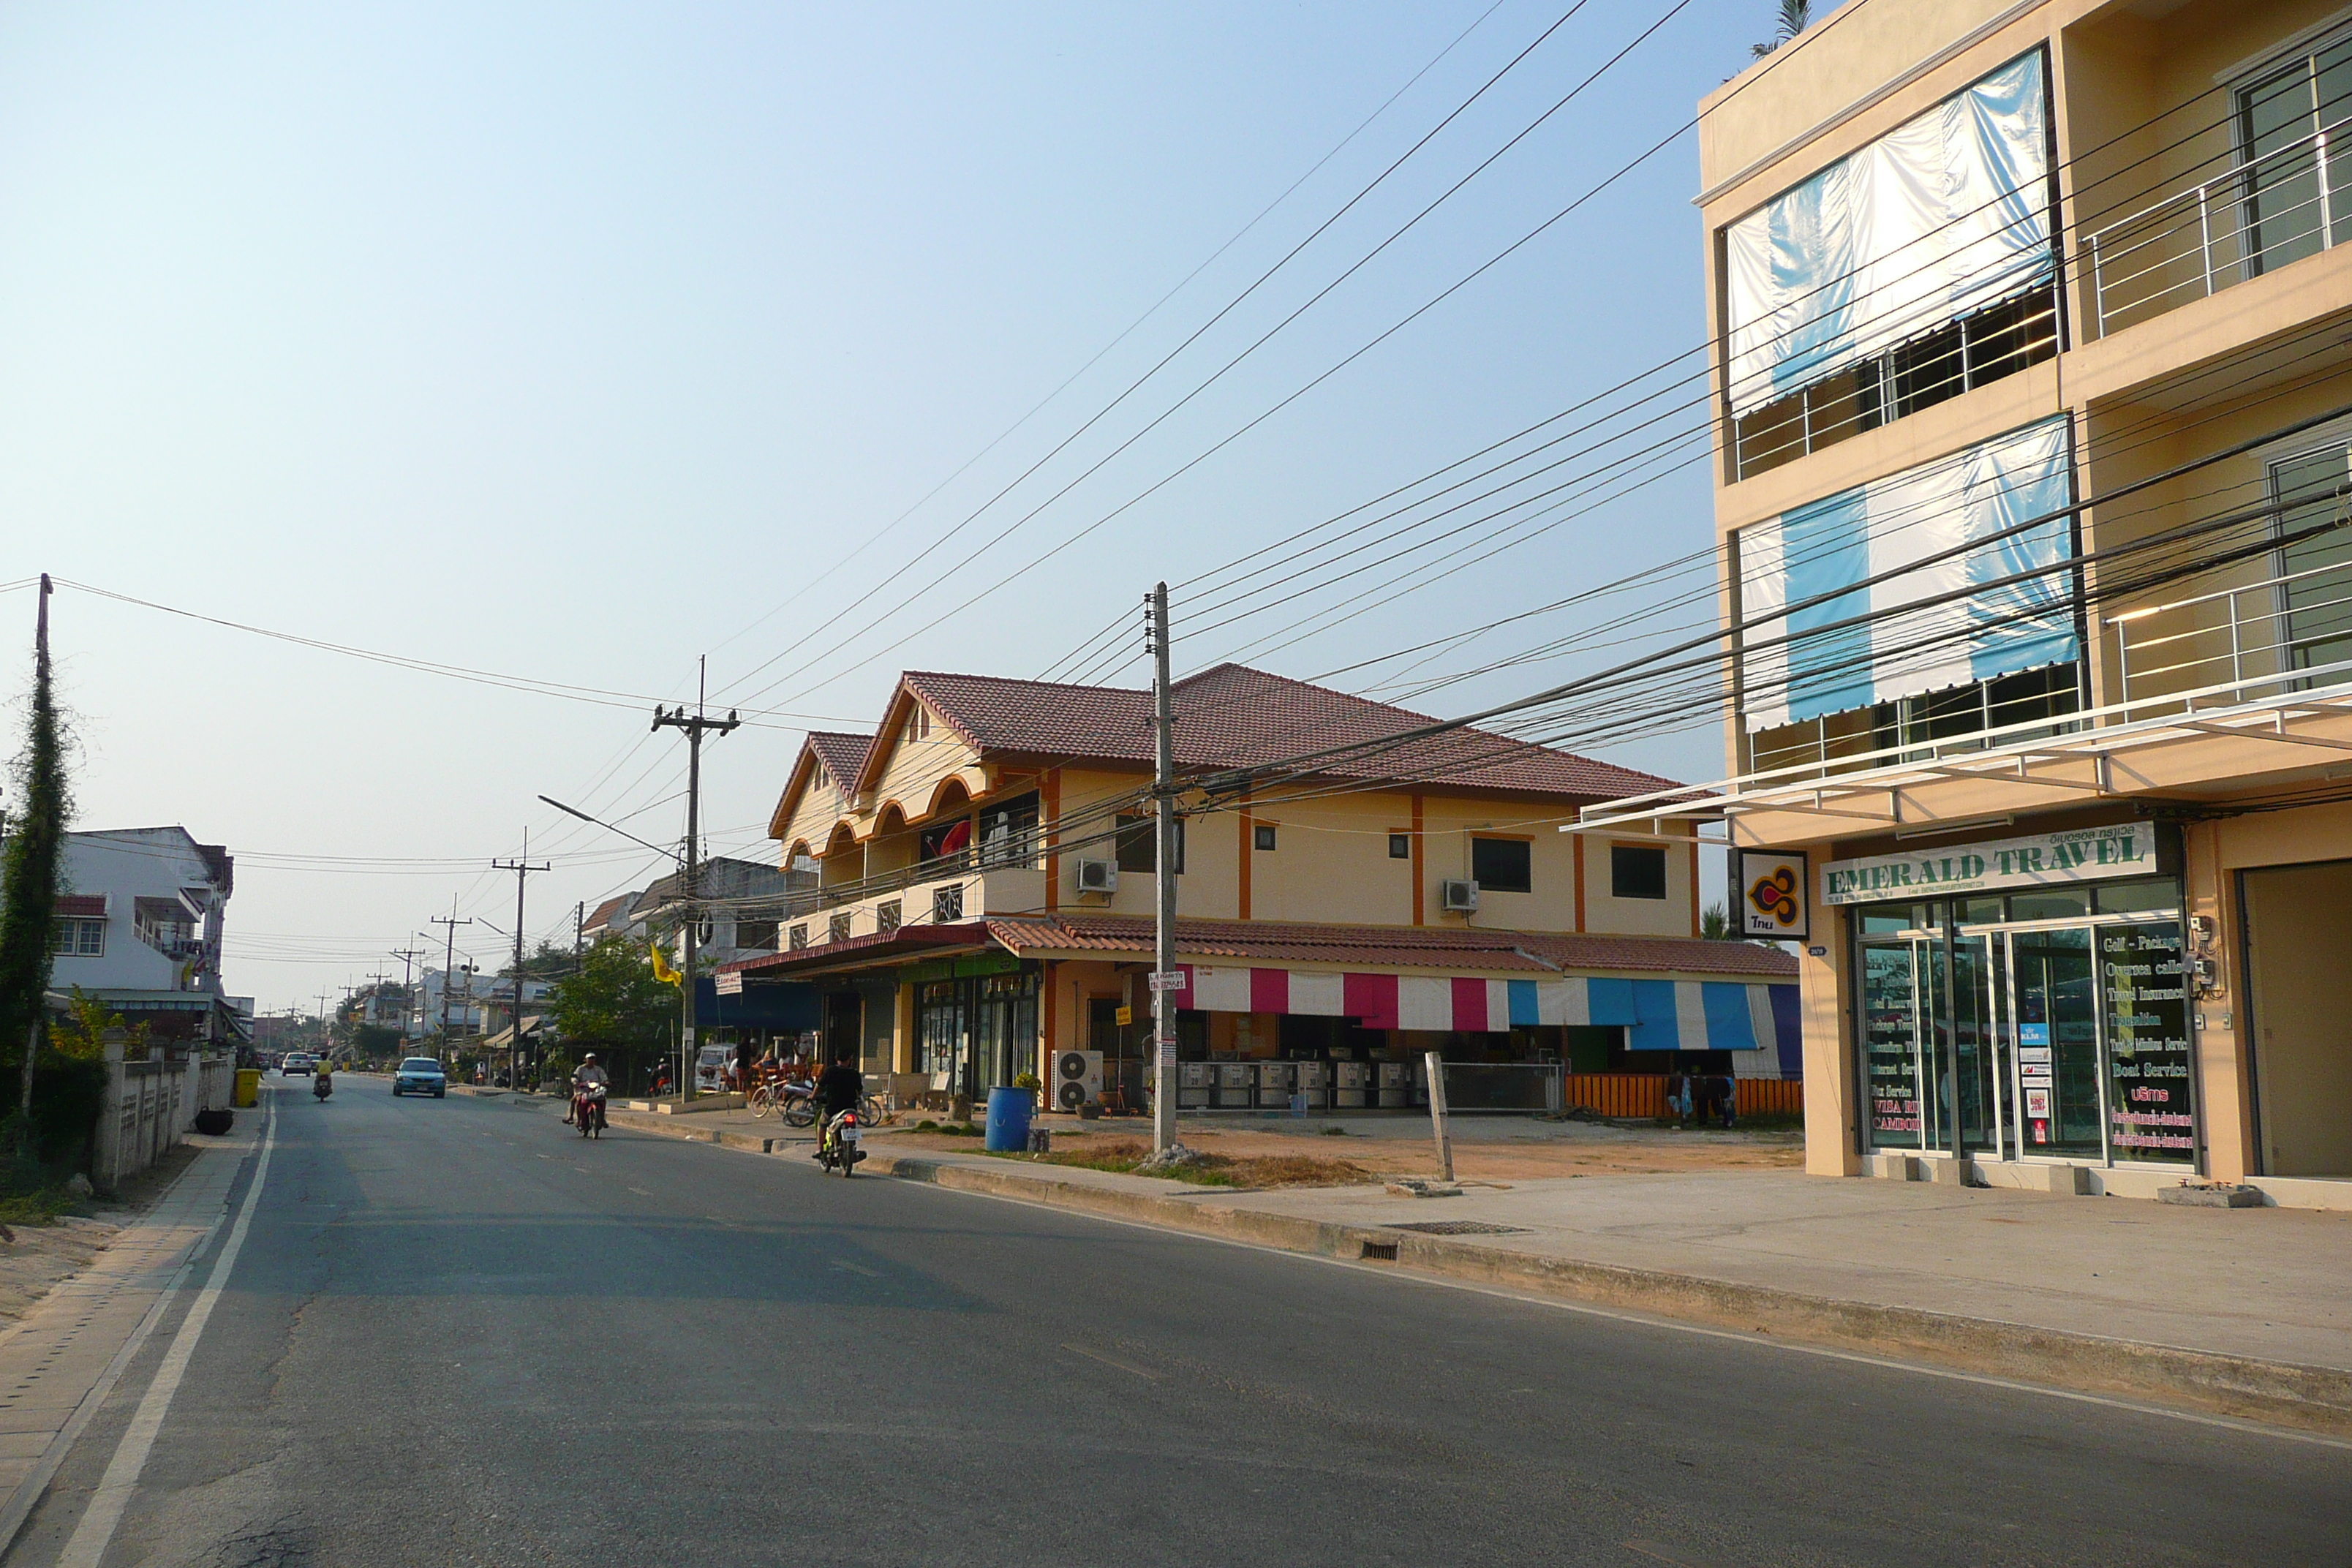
x=662, y=970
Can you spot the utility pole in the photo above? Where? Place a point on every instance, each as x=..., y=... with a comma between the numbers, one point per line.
x=579, y=925
x=408, y=957
x=695, y=728
x=521, y=869
x=1163, y=961
x=448, y=958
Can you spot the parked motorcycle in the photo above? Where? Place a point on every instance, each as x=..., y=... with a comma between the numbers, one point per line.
x=588, y=1110
x=796, y=1102
x=838, y=1149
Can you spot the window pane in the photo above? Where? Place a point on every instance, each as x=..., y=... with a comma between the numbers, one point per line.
x=1134, y=842
x=1506, y=865
x=1400, y=847
x=1637, y=871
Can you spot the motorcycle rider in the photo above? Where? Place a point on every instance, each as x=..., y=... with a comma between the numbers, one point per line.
x=582, y=1076
x=839, y=1087
x=322, y=1082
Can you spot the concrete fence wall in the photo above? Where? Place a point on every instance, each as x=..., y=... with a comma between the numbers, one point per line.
x=151, y=1105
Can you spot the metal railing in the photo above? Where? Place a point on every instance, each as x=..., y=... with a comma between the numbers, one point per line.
x=2261, y=635
x=2271, y=210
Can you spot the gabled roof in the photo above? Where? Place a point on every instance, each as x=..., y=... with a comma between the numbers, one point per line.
x=1232, y=716
x=843, y=755
x=607, y=910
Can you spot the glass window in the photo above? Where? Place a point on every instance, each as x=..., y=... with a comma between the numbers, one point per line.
x=1507, y=866
x=1261, y=835
x=1637, y=871
x=2315, y=572
x=840, y=928
x=1890, y=1018
x=1134, y=841
x=1400, y=847
x=1887, y=919
x=1980, y=911
x=800, y=935
x=947, y=904
x=886, y=917
x=2049, y=904
x=2131, y=898
x=2144, y=983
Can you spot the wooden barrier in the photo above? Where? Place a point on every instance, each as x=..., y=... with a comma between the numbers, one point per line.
x=1638, y=1096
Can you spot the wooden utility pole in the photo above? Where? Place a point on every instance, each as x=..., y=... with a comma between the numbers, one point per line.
x=695, y=726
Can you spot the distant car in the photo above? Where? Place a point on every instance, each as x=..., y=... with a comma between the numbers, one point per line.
x=294, y=1062
x=420, y=1075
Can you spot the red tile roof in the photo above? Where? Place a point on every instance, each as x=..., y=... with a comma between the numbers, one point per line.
x=1401, y=947
x=1235, y=717
x=80, y=906
x=843, y=754
x=892, y=946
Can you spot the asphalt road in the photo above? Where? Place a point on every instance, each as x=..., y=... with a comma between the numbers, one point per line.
x=456, y=1333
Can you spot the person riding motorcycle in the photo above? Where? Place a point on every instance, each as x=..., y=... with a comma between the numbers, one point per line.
x=839, y=1087
x=582, y=1076
x=323, y=1083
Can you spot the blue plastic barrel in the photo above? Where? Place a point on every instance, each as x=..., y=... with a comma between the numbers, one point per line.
x=1008, y=1121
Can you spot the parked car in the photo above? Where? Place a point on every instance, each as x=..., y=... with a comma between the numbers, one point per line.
x=296, y=1062
x=420, y=1075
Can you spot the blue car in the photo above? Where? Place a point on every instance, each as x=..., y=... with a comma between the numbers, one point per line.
x=420, y=1075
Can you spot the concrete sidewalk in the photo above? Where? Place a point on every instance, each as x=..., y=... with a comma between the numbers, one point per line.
x=2242, y=1312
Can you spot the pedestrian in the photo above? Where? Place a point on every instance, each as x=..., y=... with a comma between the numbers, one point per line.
x=1729, y=1091
x=1678, y=1097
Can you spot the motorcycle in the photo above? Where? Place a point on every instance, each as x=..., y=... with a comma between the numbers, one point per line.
x=321, y=1085
x=838, y=1149
x=588, y=1110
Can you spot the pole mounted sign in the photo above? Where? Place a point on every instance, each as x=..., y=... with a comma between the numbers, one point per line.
x=1173, y=980
x=2045, y=859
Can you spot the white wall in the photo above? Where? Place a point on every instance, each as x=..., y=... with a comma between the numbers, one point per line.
x=125, y=867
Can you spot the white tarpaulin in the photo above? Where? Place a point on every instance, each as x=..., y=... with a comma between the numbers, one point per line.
x=1945, y=214
x=1883, y=527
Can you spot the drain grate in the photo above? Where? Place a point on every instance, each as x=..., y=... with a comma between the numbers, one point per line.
x=1459, y=1227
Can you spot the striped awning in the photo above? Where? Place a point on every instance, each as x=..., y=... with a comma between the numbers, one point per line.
x=1656, y=1014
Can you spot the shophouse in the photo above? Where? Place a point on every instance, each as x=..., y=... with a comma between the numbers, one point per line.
x=2035, y=381
x=986, y=868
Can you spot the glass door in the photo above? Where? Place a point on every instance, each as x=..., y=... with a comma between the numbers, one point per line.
x=1894, y=1009
x=2059, y=1091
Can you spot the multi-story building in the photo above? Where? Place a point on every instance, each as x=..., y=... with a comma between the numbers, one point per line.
x=2034, y=394
x=986, y=867
x=138, y=923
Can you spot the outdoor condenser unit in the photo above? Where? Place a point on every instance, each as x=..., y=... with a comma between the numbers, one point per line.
x=1458, y=898
x=1078, y=1079
x=1098, y=875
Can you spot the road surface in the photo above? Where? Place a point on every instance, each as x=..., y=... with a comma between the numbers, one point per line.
x=454, y=1332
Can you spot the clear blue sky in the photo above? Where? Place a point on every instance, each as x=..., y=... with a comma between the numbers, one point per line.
x=569, y=340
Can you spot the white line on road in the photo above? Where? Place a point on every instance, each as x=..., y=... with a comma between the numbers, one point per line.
x=95, y=1533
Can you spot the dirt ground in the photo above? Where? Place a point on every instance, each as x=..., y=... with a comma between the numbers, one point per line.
x=1482, y=1151
x=43, y=1254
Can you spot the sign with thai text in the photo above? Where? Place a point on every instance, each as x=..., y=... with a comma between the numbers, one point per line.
x=729, y=985
x=2077, y=855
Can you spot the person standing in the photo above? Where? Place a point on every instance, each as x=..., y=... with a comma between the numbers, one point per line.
x=1678, y=1097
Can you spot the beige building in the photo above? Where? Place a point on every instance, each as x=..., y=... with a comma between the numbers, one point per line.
x=986, y=871
x=2034, y=394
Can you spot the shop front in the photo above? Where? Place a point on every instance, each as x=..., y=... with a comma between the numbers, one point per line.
x=2024, y=1000
x=975, y=1022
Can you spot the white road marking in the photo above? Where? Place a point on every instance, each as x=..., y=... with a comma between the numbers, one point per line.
x=641, y=1192
x=1114, y=1361
x=104, y=1515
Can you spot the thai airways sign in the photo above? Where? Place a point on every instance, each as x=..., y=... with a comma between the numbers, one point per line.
x=2077, y=855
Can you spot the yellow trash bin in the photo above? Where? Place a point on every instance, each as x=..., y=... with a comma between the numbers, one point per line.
x=248, y=1087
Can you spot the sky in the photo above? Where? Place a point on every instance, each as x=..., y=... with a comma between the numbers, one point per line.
x=545, y=351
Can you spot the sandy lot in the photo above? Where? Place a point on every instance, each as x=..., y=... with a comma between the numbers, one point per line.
x=43, y=1254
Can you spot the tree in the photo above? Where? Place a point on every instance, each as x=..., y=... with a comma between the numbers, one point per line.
x=83, y=1034
x=29, y=868
x=549, y=962
x=614, y=1002
x=1715, y=925
x=1795, y=15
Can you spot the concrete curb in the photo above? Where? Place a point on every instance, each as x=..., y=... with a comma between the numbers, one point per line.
x=2283, y=1393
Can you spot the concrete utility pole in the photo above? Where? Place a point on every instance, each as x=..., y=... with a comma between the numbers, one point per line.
x=408, y=957
x=579, y=925
x=695, y=728
x=448, y=958
x=521, y=869
x=1163, y=961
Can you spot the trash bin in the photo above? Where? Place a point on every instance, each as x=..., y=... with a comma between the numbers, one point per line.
x=247, y=1092
x=1008, y=1121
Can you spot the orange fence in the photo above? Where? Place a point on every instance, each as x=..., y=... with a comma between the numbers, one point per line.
x=1639, y=1095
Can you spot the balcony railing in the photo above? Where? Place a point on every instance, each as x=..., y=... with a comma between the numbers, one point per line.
x=2290, y=630
x=2279, y=207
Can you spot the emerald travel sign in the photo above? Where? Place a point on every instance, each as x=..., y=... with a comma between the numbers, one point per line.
x=2078, y=855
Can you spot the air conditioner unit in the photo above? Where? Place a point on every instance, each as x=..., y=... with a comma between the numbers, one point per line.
x=1078, y=1079
x=1458, y=898
x=1098, y=875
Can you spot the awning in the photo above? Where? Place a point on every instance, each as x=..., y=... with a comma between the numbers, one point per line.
x=1656, y=1014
